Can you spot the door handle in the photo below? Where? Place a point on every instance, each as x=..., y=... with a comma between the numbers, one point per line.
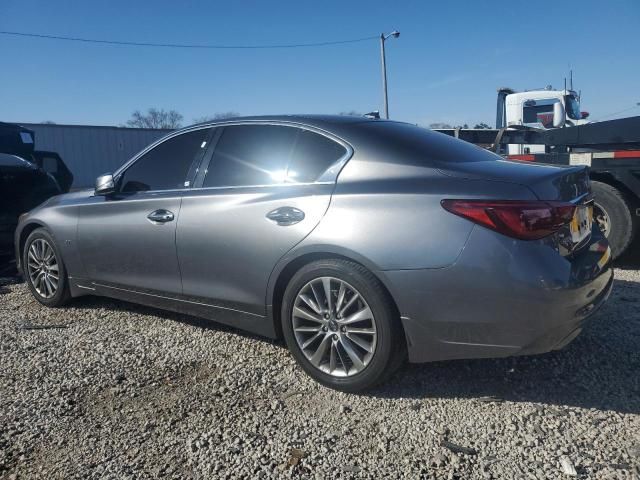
x=284, y=216
x=161, y=216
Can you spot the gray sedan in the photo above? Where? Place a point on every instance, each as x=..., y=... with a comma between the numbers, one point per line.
x=361, y=242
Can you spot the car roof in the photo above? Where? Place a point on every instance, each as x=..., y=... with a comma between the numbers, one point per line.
x=343, y=126
x=316, y=120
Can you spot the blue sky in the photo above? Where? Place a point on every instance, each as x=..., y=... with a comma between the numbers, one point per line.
x=445, y=67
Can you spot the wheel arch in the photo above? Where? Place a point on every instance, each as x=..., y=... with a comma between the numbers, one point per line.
x=613, y=181
x=290, y=264
x=22, y=239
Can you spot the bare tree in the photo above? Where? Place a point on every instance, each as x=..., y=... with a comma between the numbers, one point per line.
x=155, y=118
x=439, y=125
x=216, y=116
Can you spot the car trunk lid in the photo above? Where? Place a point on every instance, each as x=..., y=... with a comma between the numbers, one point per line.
x=548, y=182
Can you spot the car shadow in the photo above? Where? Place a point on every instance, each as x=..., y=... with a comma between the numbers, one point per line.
x=597, y=370
x=7, y=266
x=123, y=306
x=8, y=272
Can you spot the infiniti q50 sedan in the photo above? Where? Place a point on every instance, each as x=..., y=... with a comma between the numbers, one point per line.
x=361, y=242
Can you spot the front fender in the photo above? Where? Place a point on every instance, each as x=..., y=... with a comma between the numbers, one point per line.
x=62, y=223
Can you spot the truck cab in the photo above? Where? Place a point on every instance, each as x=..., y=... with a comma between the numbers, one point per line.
x=542, y=109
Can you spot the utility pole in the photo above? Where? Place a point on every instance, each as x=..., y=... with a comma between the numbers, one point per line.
x=383, y=38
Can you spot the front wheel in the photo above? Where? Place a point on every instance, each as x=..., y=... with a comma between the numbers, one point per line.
x=43, y=269
x=340, y=325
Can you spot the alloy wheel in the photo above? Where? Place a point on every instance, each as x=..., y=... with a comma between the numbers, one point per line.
x=334, y=327
x=602, y=218
x=43, y=268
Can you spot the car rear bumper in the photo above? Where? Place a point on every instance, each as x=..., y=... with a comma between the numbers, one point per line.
x=502, y=297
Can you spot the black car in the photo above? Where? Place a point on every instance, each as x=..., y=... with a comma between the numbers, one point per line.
x=28, y=177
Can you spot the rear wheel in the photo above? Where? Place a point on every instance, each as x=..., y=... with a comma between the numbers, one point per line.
x=43, y=269
x=613, y=214
x=340, y=325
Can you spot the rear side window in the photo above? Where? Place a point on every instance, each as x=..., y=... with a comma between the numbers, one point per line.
x=312, y=156
x=269, y=154
x=250, y=155
x=167, y=165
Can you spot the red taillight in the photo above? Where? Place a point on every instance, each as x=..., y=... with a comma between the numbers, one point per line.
x=526, y=220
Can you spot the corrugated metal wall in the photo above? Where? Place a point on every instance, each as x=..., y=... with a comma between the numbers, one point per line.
x=89, y=150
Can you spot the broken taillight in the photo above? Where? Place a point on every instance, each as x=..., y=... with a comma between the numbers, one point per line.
x=526, y=220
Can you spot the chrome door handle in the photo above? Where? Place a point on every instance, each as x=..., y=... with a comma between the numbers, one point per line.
x=161, y=216
x=284, y=216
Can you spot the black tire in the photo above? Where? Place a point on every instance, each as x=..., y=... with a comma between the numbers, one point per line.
x=62, y=293
x=389, y=351
x=619, y=211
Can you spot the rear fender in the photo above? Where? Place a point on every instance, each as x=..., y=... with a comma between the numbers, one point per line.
x=307, y=253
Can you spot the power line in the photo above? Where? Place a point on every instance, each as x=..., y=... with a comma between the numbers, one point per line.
x=180, y=45
x=618, y=112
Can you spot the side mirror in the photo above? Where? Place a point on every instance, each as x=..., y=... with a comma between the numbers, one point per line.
x=559, y=118
x=105, y=184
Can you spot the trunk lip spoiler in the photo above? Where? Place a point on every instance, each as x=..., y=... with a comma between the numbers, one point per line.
x=583, y=199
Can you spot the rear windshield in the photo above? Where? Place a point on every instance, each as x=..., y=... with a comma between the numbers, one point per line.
x=422, y=146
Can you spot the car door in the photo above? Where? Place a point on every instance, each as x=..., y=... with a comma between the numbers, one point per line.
x=127, y=239
x=264, y=189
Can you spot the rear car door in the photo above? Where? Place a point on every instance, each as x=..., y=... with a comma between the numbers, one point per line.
x=264, y=188
x=127, y=239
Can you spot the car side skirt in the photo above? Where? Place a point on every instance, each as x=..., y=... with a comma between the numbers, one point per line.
x=250, y=322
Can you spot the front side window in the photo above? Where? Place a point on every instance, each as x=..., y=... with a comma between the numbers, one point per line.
x=572, y=107
x=167, y=165
x=249, y=155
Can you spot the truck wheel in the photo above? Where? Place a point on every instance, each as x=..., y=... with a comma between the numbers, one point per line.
x=613, y=214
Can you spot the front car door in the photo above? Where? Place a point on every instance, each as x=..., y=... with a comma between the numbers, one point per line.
x=261, y=193
x=127, y=239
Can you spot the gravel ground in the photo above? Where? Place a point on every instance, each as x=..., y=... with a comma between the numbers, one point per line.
x=113, y=390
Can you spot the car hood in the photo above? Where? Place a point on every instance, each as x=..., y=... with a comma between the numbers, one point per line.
x=67, y=199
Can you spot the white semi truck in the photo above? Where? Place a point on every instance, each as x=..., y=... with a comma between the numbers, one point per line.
x=543, y=109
